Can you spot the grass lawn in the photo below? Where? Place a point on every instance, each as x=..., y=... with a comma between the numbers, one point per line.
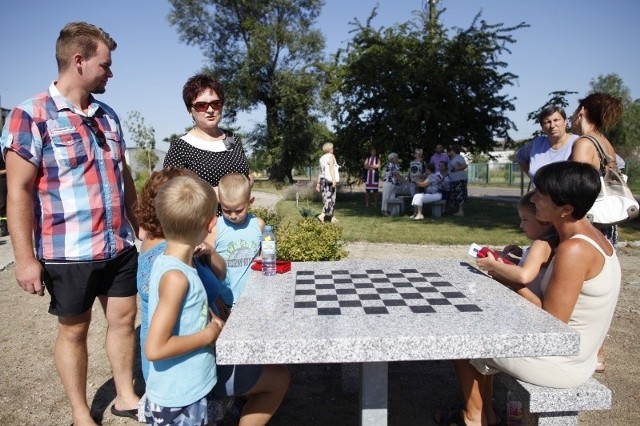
x=486, y=222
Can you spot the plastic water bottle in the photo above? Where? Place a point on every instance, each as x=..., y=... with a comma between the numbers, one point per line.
x=268, y=252
x=514, y=410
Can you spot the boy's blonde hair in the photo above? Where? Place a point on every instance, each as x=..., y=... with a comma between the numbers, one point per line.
x=184, y=206
x=327, y=147
x=233, y=188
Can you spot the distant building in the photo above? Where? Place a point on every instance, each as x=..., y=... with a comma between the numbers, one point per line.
x=130, y=156
x=501, y=156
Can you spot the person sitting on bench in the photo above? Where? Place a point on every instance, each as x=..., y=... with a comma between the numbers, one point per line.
x=432, y=191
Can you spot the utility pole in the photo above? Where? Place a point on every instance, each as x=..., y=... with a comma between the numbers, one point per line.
x=433, y=12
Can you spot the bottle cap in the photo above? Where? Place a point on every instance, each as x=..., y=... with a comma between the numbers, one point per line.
x=268, y=228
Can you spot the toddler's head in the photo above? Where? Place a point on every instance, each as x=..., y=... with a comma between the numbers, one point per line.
x=532, y=227
x=234, y=191
x=186, y=208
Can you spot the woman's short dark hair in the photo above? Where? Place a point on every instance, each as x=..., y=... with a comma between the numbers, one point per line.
x=431, y=167
x=198, y=84
x=456, y=148
x=550, y=110
x=569, y=182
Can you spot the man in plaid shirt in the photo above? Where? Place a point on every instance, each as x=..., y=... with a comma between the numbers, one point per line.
x=71, y=194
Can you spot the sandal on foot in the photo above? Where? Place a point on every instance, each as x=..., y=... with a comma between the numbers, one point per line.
x=442, y=416
x=453, y=414
x=600, y=367
x=132, y=414
x=454, y=417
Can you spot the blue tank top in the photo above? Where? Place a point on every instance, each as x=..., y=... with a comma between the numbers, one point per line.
x=145, y=263
x=184, y=379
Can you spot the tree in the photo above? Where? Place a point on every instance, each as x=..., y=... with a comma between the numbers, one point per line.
x=412, y=85
x=265, y=53
x=625, y=135
x=145, y=140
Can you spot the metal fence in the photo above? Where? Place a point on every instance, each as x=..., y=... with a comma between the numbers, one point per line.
x=509, y=174
x=497, y=174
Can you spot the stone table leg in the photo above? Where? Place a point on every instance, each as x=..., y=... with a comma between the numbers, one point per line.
x=374, y=380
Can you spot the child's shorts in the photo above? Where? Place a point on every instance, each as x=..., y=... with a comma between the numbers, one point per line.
x=194, y=414
x=236, y=380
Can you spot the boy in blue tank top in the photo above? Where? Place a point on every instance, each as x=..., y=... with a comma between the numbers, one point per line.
x=237, y=235
x=183, y=328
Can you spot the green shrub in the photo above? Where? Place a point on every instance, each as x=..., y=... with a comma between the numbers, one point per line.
x=309, y=240
x=141, y=178
x=270, y=216
x=308, y=211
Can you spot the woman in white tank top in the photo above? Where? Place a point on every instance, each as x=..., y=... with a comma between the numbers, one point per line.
x=580, y=288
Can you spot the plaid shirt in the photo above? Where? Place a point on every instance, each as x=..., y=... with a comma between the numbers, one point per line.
x=79, y=202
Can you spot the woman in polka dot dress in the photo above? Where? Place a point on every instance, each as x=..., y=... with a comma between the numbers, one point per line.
x=206, y=149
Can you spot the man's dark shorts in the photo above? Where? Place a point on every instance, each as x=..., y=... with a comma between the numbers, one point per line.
x=74, y=286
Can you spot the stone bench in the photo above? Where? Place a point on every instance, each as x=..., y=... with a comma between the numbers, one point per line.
x=556, y=407
x=395, y=206
x=436, y=208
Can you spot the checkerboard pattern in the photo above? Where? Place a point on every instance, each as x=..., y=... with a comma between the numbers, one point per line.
x=377, y=292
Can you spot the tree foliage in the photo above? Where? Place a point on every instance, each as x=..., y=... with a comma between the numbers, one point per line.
x=145, y=140
x=412, y=85
x=265, y=54
x=625, y=135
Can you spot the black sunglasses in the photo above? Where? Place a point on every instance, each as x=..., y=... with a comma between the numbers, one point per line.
x=203, y=106
x=93, y=126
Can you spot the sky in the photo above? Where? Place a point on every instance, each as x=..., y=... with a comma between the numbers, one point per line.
x=569, y=43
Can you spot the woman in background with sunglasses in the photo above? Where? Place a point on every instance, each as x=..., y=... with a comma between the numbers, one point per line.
x=206, y=149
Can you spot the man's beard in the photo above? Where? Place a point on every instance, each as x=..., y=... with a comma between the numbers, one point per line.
x=99, y=90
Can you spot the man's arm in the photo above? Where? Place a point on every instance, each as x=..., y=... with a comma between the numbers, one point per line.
x=21, y=176
x=130, y=196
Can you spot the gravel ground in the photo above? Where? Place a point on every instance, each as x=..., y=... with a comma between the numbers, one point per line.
x=31, y=394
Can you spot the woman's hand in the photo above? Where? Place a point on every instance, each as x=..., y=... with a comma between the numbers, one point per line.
x=203, y=249
x=486, y=263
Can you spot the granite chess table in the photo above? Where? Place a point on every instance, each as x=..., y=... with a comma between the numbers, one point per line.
x=373, y=312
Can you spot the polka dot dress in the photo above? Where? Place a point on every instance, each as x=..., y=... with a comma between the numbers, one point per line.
x=208, y=165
